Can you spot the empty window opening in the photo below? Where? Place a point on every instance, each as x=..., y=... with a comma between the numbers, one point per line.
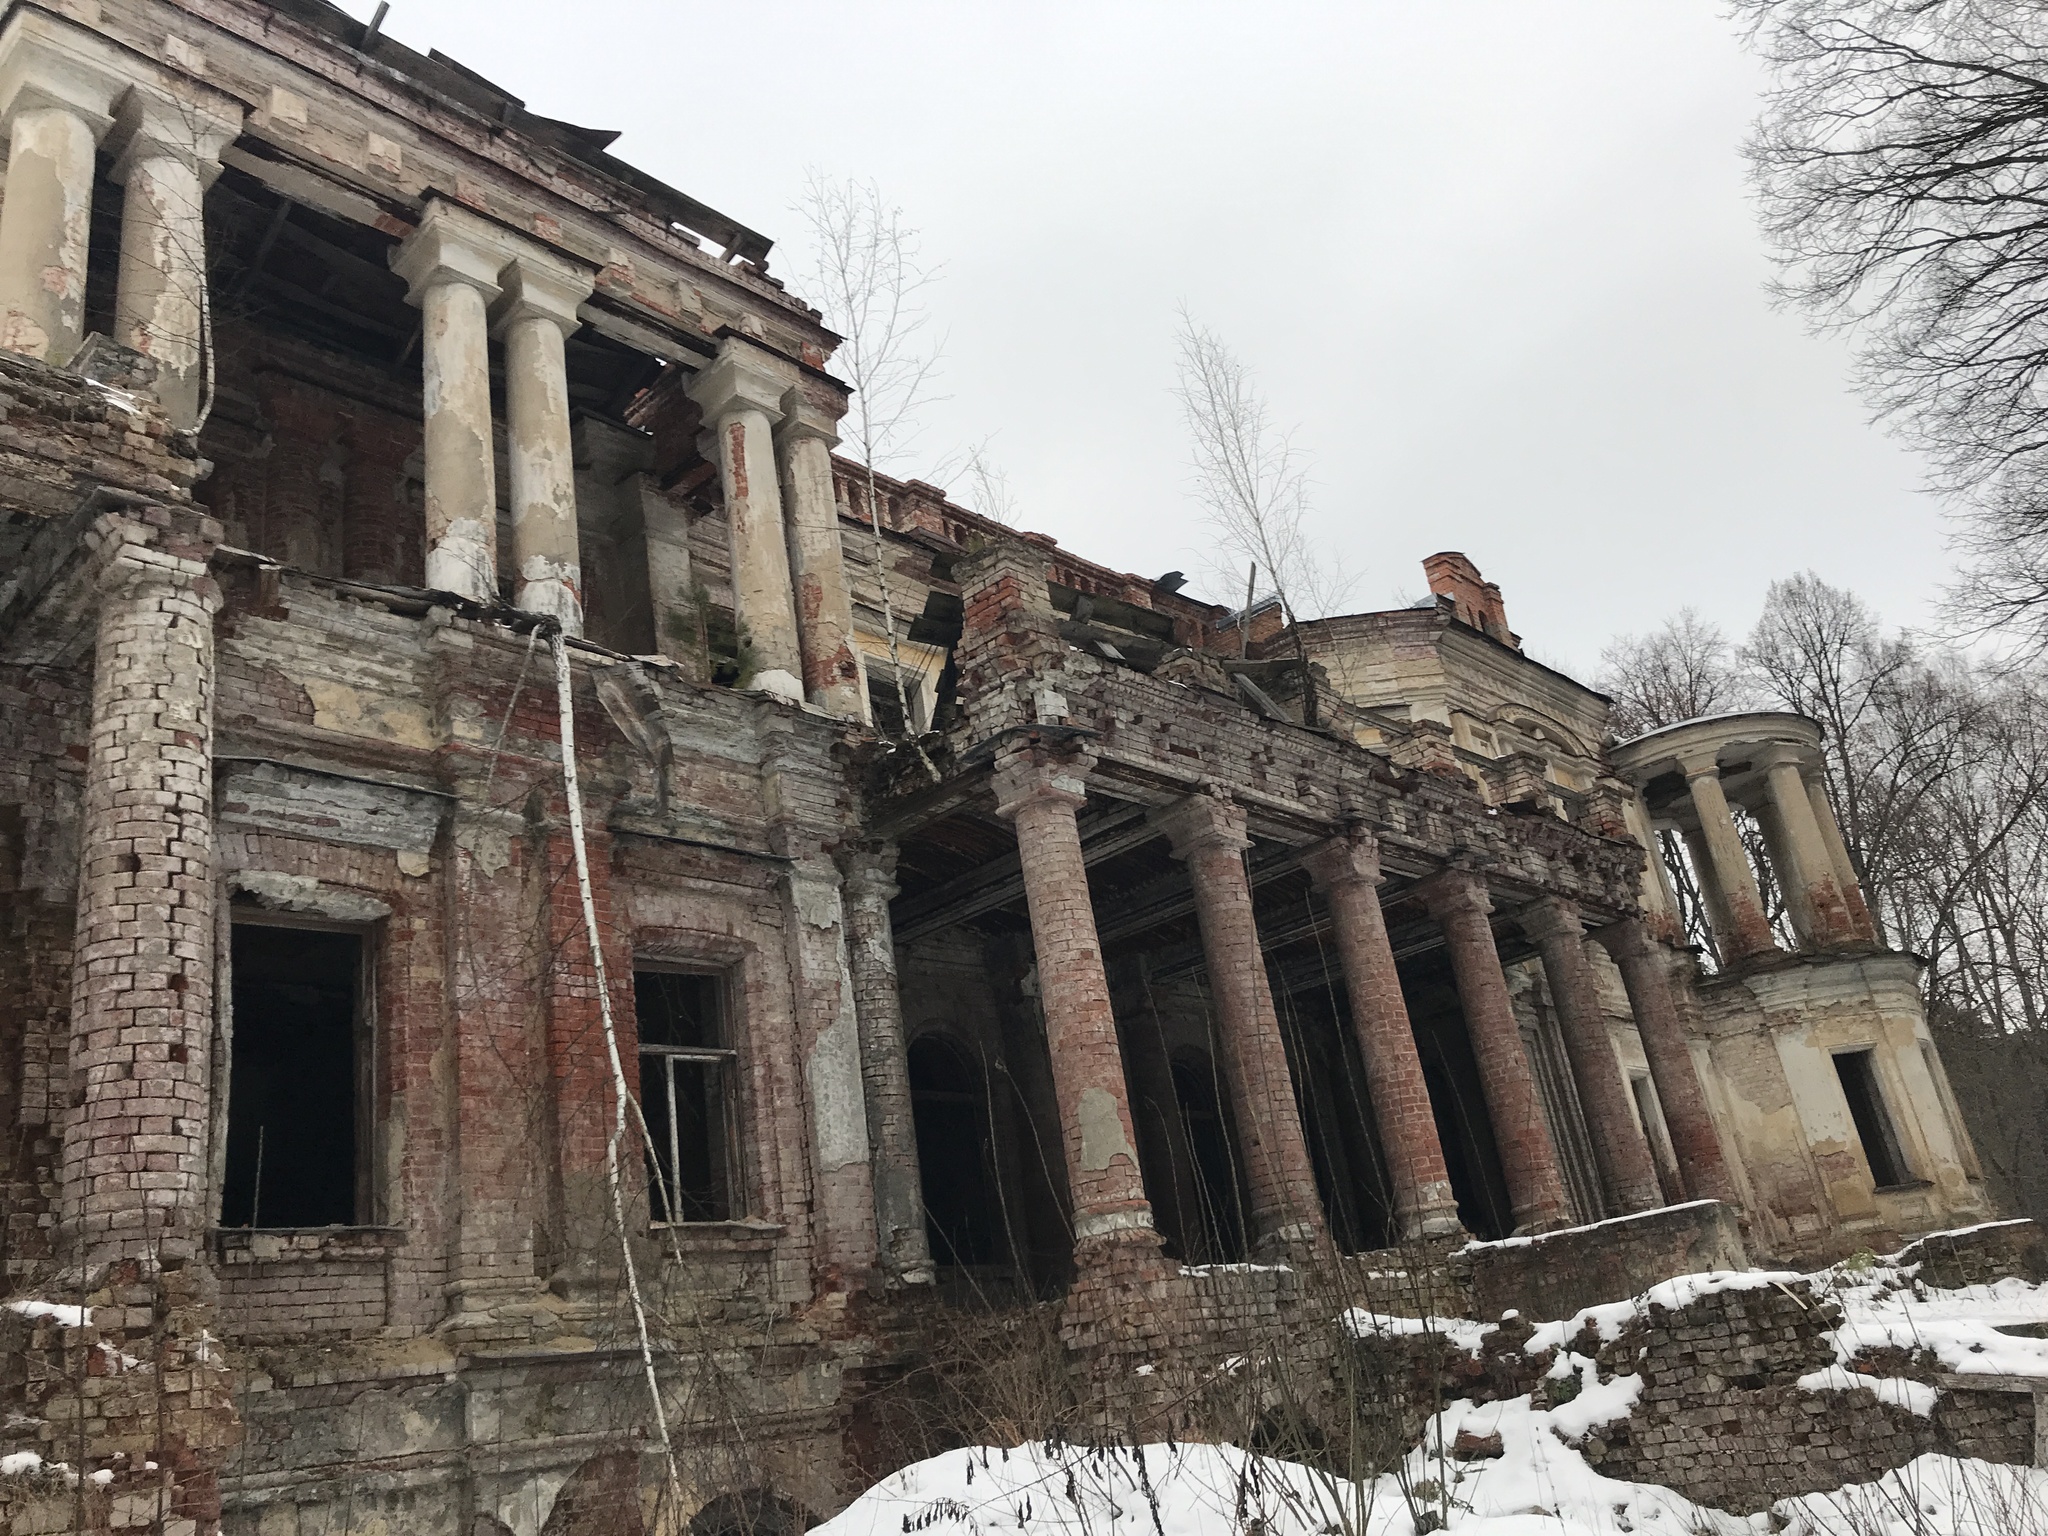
x=298, y=1080
x=1858, y=1072
x=886, y=706
x=955, y=1154
x=687, y=1072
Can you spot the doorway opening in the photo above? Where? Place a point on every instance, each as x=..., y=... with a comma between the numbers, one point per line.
x=298, y=1079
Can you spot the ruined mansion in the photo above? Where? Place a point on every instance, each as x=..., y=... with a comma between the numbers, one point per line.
x=973, y=924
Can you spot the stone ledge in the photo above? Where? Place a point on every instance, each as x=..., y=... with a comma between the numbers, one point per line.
x=1555, y=1274
x=305, y=1245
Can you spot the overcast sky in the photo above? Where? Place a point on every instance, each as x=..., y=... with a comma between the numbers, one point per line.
x=1496, y=259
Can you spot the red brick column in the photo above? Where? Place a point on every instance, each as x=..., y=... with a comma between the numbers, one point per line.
x=496, y=1103
x=870, y=875
x=1618, y=1146
x=1457, y=899
x=1040, y=791
x=1694, y=1140
x=1208, y=835
x=135, y=1141
x=1347, y=871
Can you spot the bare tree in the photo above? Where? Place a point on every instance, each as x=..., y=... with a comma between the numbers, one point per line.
x=1253, y=484
x=1903, y=162
x=989, y=484
x=1680, y=672
x=869, y=278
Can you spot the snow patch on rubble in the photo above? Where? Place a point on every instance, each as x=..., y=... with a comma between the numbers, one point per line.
x=69, y=1317
x=1462, y=1332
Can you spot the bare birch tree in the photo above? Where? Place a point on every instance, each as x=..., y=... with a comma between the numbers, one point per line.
x=868, y=278
x=1253, y=483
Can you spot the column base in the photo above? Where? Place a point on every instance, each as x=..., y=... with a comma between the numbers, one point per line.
x=1431, y=1226
x=461, y=562
x=778, y=683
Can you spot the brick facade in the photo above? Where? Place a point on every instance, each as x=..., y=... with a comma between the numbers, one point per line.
x=1105, y=963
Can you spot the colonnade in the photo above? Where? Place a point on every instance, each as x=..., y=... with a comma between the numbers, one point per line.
x=66, y=92
x=1769, y=766
x=1040, y=791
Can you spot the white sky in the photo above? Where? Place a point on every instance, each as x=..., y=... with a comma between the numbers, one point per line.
x=1495, y=258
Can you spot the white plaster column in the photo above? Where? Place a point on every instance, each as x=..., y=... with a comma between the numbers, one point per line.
x=170, y=156
x=824, y=606
x=1747, y=932
x=536, y=315
x=56, y=107
x=451, y=268
x=1808, y=862
x=742, y=401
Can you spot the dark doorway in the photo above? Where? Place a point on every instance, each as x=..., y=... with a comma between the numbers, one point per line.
x=1858, y=1072
x=296, y=1080
x=1337, y=1118
x=955, y=1154
x=1451, y=1071
x=1217, y=1235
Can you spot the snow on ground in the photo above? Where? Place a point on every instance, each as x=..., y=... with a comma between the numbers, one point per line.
x=1540, y=1485
x=1884, y=1307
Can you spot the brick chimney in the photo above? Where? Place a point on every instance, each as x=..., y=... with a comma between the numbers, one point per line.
x=1474, y=599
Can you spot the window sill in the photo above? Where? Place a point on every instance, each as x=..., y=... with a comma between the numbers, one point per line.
x=743, y=1233
x=1907, y=1188
x=305, y=1245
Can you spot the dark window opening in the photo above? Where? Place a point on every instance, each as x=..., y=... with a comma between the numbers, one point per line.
x=1858, y=1072
x=687, y=1082
x=886, y=706
x=955, y=1154
x=297, y=1081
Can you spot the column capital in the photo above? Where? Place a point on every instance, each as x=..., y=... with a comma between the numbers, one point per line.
x=1778, y=754
x=869, y=871
x=1453, y=890
x=1206, y=821
x=804, y=418
x=1627, y=939
x=127, y=553
x=1352, y=857
x=1551, y=918
x=191, y=128
x=451, y=245
x=48, y=62
x=741, y=379
x=1036, y=774
x=540, y=285
x=1702, y=764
